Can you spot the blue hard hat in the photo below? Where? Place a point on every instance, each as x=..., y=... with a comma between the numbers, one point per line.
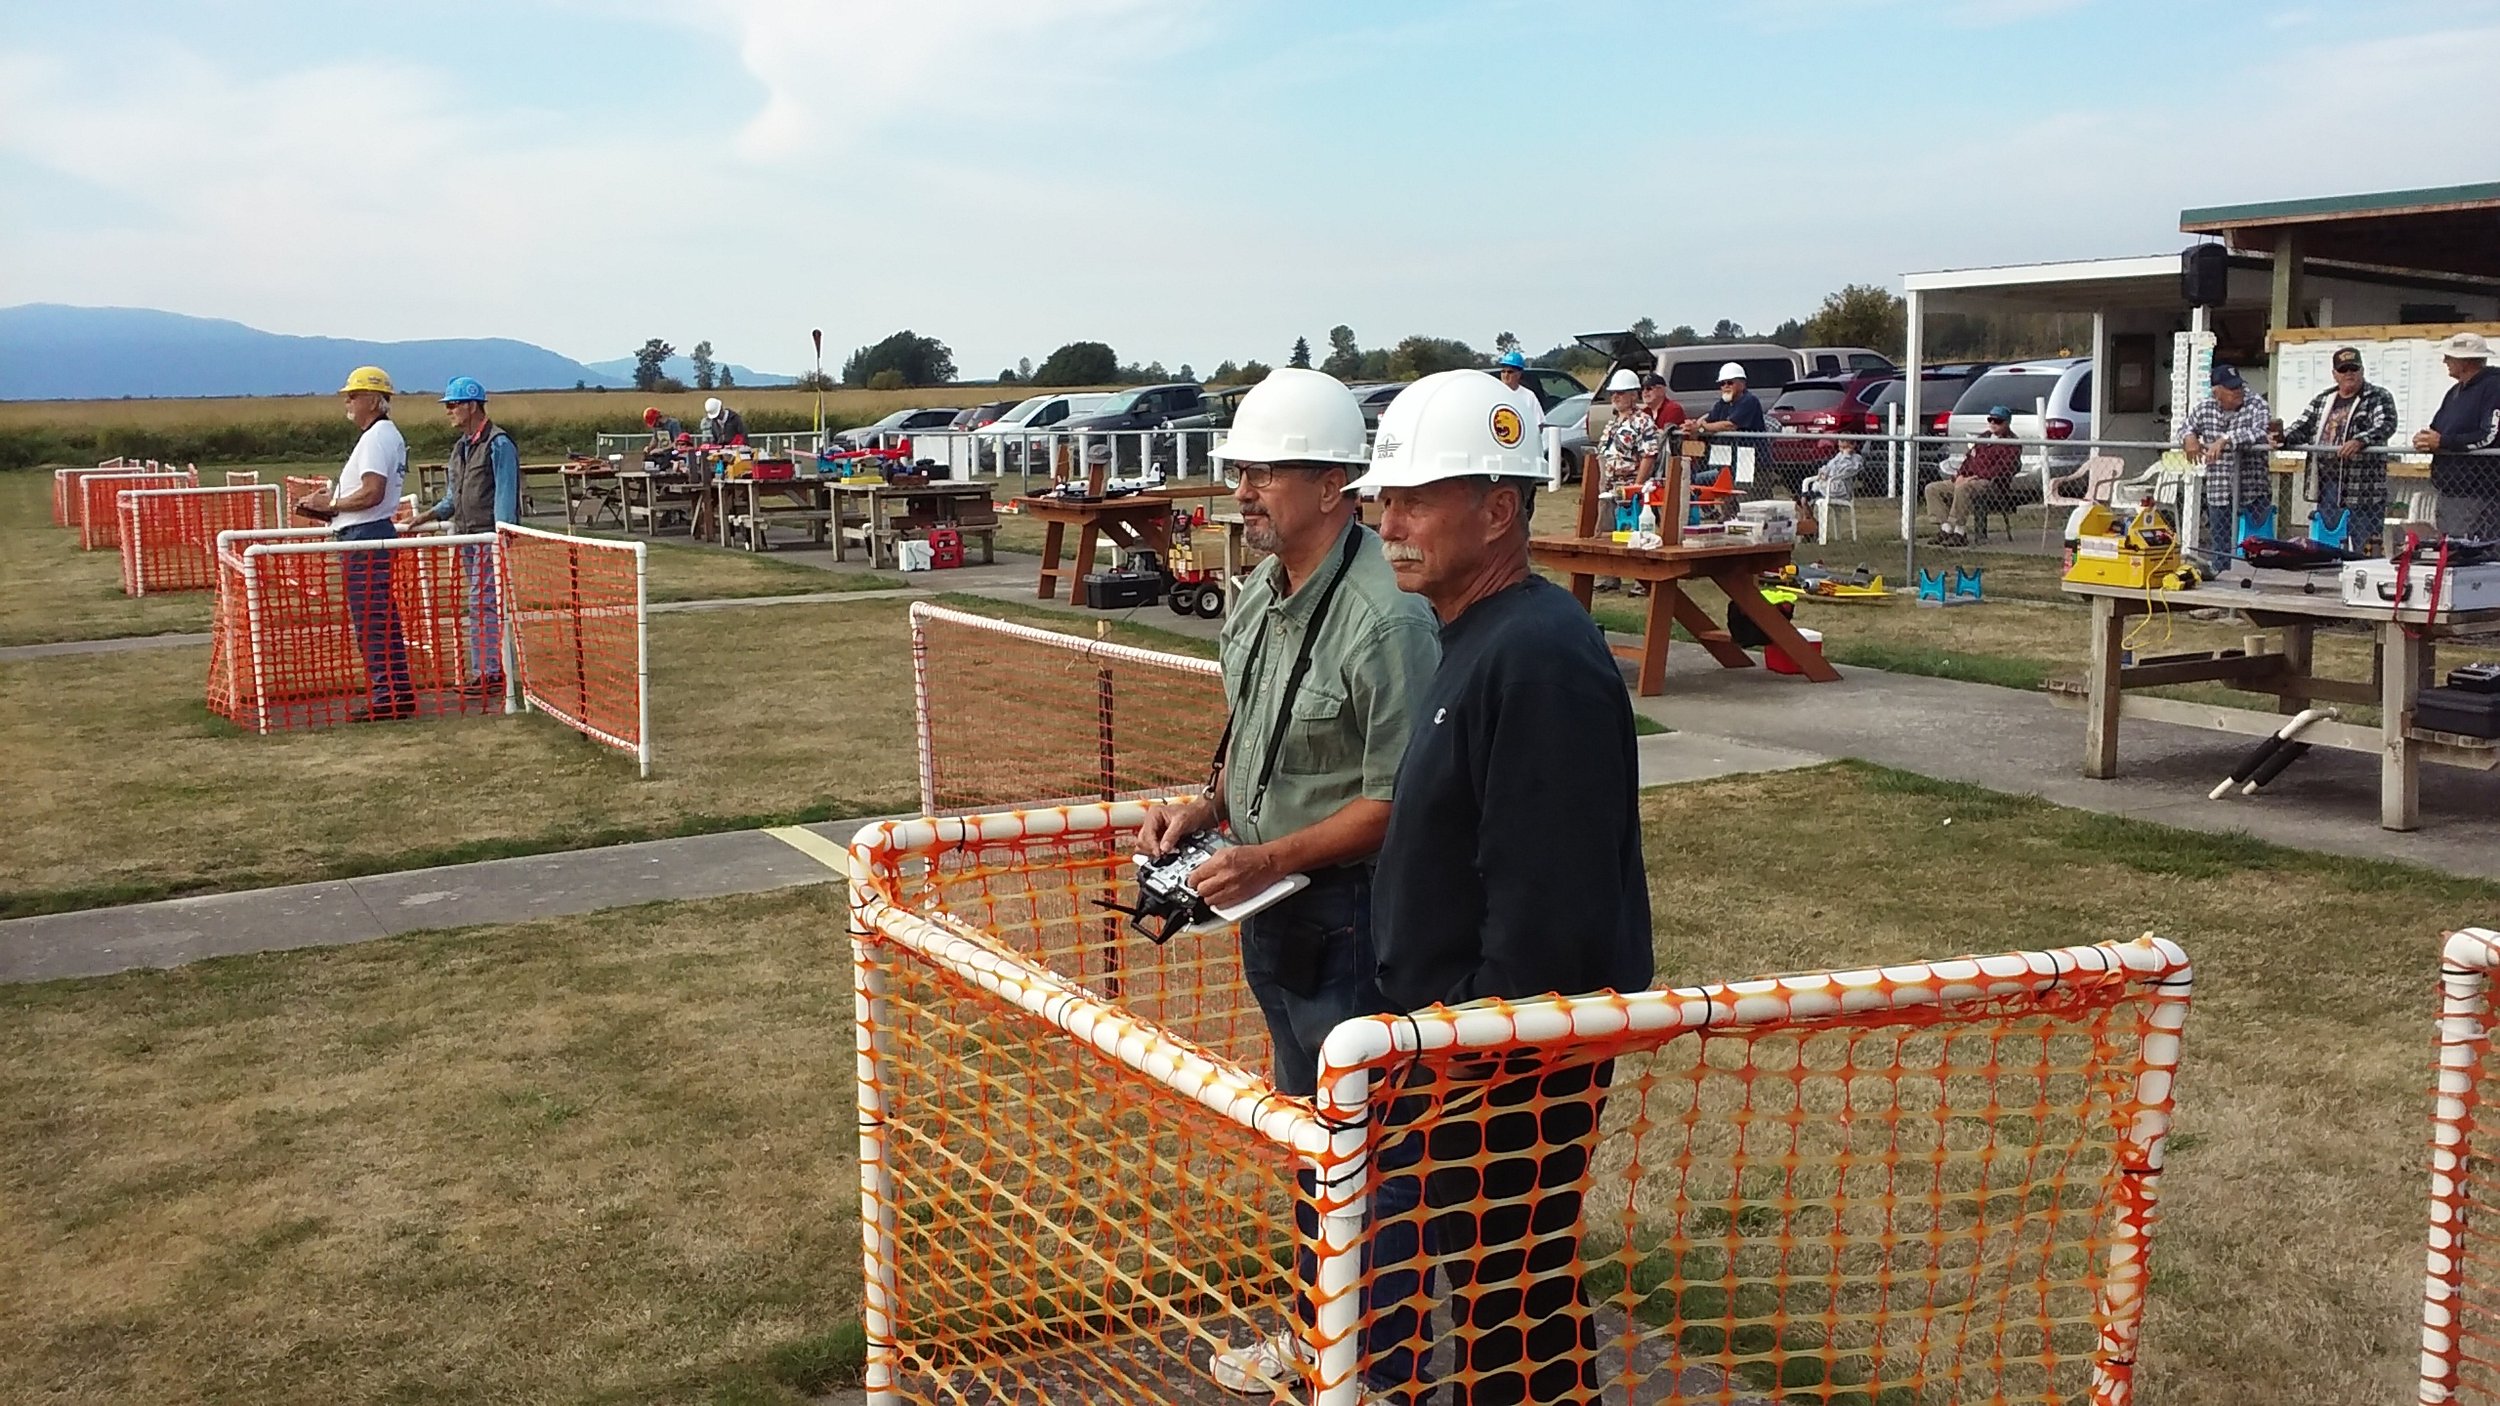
x=1510, y=360
x=463, y=388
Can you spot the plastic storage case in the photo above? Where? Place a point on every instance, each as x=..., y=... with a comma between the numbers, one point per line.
x=2458, y=711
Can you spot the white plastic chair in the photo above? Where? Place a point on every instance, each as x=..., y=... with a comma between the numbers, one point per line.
x=2100, y=475
x=1841, y=493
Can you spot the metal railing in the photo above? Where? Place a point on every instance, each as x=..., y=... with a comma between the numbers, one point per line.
x=1030, y=455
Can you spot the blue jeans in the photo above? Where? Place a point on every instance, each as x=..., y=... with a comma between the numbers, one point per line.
x=1310, y=964
x=373, y=613
x=477, y=568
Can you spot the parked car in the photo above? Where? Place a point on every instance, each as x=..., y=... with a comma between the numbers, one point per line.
x=1180, y=405
x=1222, y=403
x=1004, y=439
x=2051, y=399
x=1552, y=387
x=1809, y=411
x=1571, y=416
x=1939, y=389
x=973, y=417
x=1844, y=361
x=895, y=426
x=1374, y=398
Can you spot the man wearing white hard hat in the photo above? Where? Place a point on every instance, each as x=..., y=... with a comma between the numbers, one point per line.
x=1734, y=420
x=1511, y=869
x=722, y=425
x=2468, y=419
x=1324, y=661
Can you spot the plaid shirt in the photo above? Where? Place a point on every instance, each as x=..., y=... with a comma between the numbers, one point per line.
x=2246, y=442
x=2372, y=420
x=1630, y=438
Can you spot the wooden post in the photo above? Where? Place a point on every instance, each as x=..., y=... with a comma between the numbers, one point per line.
x=2403, y=657
x=2100, y=721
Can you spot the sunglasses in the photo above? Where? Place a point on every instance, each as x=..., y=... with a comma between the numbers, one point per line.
x=2343, y=366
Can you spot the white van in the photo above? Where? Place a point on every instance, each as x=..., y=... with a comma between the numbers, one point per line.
x=1693, y=372
x=2051, y=398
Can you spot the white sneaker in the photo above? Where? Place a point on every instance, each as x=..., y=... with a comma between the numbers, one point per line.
x=1273, y=1363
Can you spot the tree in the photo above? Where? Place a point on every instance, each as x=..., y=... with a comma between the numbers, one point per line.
x=1725, y=330
x=1374, y=365
x=1154, y=372
x=1225, y=373
x=1791, y=333
x=888, y=379
x=702, y=358
x=1571, y=357
x=581, y=385
x=1345, y=359
x=920, y=361
x=1505, y=342
x=1301, y=353
x=1646, y=329
x=1252, y=372
x=1860, y=315
x=1007, y=376
x=1186, y=373
x=1682, y=335
x=726, y=381
x=1079, y=364
x=813, y=381
x=1422, y=356
x=651, y=363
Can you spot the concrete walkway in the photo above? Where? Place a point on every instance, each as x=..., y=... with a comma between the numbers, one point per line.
x=334, y=913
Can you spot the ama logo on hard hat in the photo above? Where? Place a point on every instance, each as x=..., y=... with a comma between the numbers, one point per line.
x=1507, y=426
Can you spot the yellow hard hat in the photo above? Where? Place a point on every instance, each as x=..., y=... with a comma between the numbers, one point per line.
x=367, y=378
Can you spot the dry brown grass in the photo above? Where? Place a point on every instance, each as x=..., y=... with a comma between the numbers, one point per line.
x=121, y=785
x=607, y=1158
x=595, y=1159
x=625, y=406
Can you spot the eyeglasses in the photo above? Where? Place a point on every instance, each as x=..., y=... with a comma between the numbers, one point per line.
x=1258, y=476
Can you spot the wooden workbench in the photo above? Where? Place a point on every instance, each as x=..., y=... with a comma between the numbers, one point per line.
x=1733, y=569
x=2406, y=646
x=1140, y=521
x=957, y=503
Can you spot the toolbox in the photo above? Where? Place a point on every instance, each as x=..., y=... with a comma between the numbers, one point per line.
x=2459, y=711
x=1112, y=590
x=2373, y=584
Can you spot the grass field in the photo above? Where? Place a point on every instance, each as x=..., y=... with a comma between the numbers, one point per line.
x=610, y=1158
x=625, y=406
x=57, y=592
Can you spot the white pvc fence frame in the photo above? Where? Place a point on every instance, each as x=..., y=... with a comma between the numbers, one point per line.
x=1334, y=1129
x=640, y=747
x=134, y=551
x=923, y=612
x=2467, y=963
x=247, y=548
x=86, y=528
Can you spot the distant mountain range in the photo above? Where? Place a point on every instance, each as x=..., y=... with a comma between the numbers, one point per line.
x=49, y=351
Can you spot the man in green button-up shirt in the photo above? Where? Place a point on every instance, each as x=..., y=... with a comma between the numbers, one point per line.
x=1324, y=658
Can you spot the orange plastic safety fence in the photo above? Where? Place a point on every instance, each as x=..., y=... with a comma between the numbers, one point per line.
x=298, y=488
x=1012, y=715
x=581, y=630
x=169, y=535
x=99, y=512
x=1921, y=1183
x=2461, y=1299
x=311, y=632
x=69, y=503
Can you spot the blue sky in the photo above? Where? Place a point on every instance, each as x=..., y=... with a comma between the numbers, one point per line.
x=1186, y=180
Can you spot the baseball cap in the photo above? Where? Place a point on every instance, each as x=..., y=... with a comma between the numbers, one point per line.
x=1999, y=412
x=2466, y=346
x=2227, y=376
x=2348, y=358
x=1652, y=380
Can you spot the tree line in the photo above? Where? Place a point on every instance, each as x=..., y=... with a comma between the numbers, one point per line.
x=1859, y=315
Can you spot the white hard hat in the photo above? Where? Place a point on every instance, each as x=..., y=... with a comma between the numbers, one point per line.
x=712, y=406
x=1730, y=371
x=1296, y=416
x=1455, y=424
x=1622, y=380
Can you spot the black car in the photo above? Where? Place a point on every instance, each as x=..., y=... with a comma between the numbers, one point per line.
x=973, y=417
x=1175, y=405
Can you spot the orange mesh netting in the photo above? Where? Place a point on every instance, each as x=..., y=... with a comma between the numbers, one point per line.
x=2461, y=1302
x=581, y=631
x=99, y=512
x=1929, y=1182
x=169, y=535
x=311, y=632
x=1013, y=715
x=298, y=488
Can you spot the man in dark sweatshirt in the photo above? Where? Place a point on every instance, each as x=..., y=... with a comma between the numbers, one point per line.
x=1511, y=869
x=2468, y=419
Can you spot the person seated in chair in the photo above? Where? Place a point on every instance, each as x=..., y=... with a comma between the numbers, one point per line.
x=1986, y=468
x=1837, y=479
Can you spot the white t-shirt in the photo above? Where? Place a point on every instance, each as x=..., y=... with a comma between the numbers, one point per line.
x=381, y=449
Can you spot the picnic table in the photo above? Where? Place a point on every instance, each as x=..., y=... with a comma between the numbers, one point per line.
x=1735, y=569
x=752, y=503
x=645, y=498
x=591, y=491
x=1136, y=522
x=877, y=515
x=2279, y=663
